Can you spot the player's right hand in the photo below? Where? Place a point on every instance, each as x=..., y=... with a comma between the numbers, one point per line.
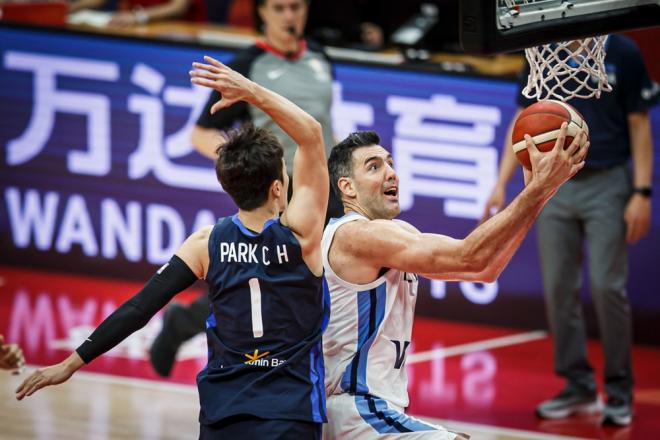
x=231, y=85
x=552, y=168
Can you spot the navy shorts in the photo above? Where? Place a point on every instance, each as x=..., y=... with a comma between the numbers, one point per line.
x=255, y=428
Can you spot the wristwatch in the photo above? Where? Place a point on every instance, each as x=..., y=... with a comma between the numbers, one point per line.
x=644, y=191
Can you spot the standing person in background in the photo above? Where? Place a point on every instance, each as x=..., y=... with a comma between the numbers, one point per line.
x=264, y=377
x=608, y=208
x=284, y=62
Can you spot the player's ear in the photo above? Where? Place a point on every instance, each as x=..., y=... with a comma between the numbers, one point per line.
x=276, y=188
x=346, y=186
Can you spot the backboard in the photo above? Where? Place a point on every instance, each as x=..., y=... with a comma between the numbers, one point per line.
x=496, y=26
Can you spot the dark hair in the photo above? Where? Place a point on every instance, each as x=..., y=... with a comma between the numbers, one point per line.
x=340, y=162
x=247, y=165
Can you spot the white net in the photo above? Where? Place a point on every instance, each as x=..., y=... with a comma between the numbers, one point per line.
x=563, y=70
x=567, y=70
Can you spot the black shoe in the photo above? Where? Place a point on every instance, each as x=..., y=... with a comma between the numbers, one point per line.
x=162, y=353
x=617, y=412
x=569, y=402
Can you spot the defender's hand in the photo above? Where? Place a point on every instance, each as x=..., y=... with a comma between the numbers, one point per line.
x=52, y=375
x=231, y=85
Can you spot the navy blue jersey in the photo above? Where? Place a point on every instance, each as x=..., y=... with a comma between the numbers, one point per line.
x=268, y=312
x=607, y=116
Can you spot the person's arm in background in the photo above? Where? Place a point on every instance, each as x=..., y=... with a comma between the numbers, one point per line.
x=209, y=132
x=508, y=166
x=139, y=15
x=638, y=210
x=78, y=5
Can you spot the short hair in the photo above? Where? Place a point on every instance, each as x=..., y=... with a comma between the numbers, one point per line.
x=340, y=162
x=247, y=165
x=262, y=2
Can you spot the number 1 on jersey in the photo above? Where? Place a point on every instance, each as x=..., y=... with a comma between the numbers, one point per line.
x=255, y=301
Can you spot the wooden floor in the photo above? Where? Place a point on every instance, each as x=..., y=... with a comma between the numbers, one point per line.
x=482, y=380
x=96, y=406
x=100, y=406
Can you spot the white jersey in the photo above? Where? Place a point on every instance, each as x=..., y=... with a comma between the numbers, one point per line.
x=369, y=331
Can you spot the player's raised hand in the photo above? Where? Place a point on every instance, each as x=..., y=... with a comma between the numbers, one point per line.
x=554, y=167
x=231, y=85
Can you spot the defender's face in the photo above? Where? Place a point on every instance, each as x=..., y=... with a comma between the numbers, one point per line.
x=376, y=182
x=281, y=16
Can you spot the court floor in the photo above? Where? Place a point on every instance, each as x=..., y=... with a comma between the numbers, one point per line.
x=482, y=380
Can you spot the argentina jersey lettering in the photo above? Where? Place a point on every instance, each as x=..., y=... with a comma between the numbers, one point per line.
x=264, y=328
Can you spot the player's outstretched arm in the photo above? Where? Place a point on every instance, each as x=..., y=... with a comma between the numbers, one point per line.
x=483, y=254
x=306, y=211
x=188, y=264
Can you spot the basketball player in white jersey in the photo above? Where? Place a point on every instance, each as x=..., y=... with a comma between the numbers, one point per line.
x=371, y=261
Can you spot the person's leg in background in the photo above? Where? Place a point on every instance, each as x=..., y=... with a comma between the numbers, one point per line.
x=180, y=323
x=560, y=233
x=608, y=269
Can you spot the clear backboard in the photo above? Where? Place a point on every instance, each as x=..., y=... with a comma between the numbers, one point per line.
x=496, y=26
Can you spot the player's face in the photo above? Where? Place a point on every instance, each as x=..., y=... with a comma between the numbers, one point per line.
x=284, y=19
x=376, y=182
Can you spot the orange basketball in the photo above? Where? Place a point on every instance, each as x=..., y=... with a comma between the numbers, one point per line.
x=542, y=122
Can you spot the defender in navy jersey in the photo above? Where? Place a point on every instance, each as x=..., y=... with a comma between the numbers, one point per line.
x=283, y=61
x=265, y=375
x=371, y=262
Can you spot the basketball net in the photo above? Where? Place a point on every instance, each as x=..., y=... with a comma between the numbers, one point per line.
x=567, y=70
x=564, y=70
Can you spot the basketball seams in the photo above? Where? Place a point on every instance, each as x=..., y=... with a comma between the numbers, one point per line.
x=548, y=117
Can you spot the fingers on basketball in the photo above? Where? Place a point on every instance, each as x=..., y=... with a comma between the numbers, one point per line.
x=543, y=122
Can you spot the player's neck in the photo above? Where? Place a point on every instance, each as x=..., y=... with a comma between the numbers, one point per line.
x=254, y=220
x=350, y=206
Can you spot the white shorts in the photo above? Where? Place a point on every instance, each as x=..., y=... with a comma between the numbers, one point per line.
x=369, y=417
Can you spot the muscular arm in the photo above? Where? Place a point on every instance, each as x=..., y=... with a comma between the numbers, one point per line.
x=361, y=248
x=481, y=256
x=638, y=210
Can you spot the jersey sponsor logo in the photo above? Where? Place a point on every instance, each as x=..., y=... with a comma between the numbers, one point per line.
x=400, y=353
x=259, y=359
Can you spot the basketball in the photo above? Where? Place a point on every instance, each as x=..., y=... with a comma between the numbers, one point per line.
x=542, y=122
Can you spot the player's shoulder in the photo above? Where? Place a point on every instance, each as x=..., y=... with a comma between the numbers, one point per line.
x=203, y=233
x=365, y=230
x=407, y=226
